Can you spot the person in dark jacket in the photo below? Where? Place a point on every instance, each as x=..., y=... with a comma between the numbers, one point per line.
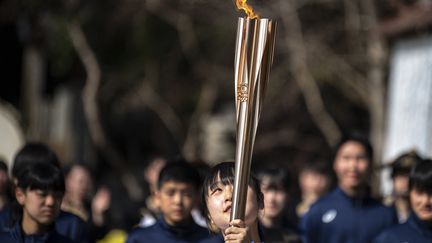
x=39, y=193
x=66, y=224
x=176, y=195
x=348, y=214
x=418, y=227
x=400, y=173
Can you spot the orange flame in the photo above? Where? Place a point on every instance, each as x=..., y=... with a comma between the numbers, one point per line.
x=242, y=5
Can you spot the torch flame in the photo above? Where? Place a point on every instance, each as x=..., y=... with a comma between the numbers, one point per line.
x=242, y=5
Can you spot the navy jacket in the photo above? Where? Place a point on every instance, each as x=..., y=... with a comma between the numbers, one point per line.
x=16, y=235
x=66, y=224
x=162, y=232
x=338, y=218
x=412, y=231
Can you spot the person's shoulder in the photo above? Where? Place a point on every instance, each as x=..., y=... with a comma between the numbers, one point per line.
x=66, y=219
x=329, y=198
x=213, y=238
x=67, y=216
x=392, y=234
x=6, y=237
x=410, y=231
x=4, y=233
x=71, y=226
x=381, y=209
x=142, y=230
x=323, y=203
x=200, y=229
x=200, y=233
x=5, y=217
x=58, y=238
x=140, y=233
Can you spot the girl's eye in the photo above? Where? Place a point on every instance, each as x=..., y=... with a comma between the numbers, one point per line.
x=41, y=193
x=215, y=190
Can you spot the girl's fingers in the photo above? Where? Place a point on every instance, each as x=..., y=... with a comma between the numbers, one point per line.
x=235, y=234
x=234, y=238
x=238, y=223
x=236, y=230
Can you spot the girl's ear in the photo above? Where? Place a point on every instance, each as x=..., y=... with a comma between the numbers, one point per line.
x=20, y=195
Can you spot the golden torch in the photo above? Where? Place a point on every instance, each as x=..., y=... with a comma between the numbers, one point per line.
x=253, y=59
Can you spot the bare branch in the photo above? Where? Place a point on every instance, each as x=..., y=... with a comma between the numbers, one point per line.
x=208, y=95
x=377, y=59
x=353, y=24
x=351, y=81
x=89, y=94
x=145, y=95
x=91, y=110
x=315, y=105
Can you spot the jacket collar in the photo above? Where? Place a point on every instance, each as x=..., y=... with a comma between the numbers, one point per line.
x=358, y=201
x=420, y=226
x=18, y=235
x=178, y=231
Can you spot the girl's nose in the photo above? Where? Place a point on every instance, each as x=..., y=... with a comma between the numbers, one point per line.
x=177, y=198
x=50, y=200
x=228, y=192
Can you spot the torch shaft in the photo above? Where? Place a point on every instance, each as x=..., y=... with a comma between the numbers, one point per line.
x=242, y=168
x=254, y=55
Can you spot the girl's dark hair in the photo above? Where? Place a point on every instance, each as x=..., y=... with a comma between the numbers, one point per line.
x=38, y=176
x=278, y=178
x=67, y=169
x=41, y=176
x=421, y=177
x=355, y=137
x=31, y=153
x=179, y=170
x=224, y=173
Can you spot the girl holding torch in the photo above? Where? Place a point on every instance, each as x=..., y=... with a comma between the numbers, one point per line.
x=217, y=199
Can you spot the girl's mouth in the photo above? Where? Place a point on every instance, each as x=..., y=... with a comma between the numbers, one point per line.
x=227, y=209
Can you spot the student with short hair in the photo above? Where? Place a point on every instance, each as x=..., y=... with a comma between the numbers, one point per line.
x=177, y=194
x=348, y=213
x=275, y=185
x=217, y=198
x=66, y=224
x=314, y=181
x=418, y=227
x=400, y=172
x=39, y=192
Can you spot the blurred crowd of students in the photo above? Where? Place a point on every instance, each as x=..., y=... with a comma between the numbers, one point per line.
x=43, y=201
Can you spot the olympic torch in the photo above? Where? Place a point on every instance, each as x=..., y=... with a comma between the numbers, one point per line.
x=253, y=59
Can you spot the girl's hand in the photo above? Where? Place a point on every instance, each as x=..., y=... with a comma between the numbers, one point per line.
x=100, y=203
x=238, y=232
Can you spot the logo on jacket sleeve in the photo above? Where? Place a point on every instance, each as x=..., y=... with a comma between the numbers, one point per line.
x=329, y=216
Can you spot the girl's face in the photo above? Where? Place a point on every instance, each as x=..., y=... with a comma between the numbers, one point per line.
x=39, y=206
x=352, y=165
x=421, y=203
x=219, y=203
x=78, y=182
x=274, y=198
